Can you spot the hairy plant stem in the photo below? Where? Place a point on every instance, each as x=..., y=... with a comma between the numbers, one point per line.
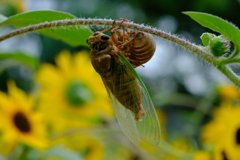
x=225, y=70
x=192, y=47
x=130, y=25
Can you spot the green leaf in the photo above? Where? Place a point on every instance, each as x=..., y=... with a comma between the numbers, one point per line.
x=206, y=37
x=217, y=24
x=36, y=17
x=72, y=35
x=2, y=18
x=27, y=60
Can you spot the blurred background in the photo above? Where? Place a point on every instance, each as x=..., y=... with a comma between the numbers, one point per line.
x=184, y=89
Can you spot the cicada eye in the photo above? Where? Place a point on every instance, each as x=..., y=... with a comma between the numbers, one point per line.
x=105, y=37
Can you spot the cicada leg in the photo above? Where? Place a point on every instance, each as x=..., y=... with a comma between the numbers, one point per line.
x=125, y=20
x=131, y=39
x=113, y=26
x=114, y=36
x=125, y=33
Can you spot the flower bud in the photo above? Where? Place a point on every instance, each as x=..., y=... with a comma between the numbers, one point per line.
x=219, y=46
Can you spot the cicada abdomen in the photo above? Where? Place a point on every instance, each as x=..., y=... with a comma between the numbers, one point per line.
x=137, y=47
x=141, y=48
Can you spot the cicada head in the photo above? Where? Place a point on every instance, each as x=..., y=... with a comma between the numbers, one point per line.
x=99, y=42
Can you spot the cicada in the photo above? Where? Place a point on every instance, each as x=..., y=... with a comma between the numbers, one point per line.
x=129, y=97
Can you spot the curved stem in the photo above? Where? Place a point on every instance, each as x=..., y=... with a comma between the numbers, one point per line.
x=234, y=60
x=130, y=25
x=233, y=77
x=192, y=47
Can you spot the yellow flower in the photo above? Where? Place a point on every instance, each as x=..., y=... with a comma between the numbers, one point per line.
x=230, y=92
x=215, y=154
x=202, y=155
x=182, y=144
x=223, y=132
x=93, y=148
x=72, y=92
x=19, y=122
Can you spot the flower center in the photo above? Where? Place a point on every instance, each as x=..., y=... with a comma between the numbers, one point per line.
x=78, y=93
x=238, y=136
x=21, y=122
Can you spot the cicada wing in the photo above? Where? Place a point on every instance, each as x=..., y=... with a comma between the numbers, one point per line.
x=149, y=127
x=125, y=119
x=147, y=130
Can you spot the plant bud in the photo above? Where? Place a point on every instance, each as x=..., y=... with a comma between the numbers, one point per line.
x=219, y=46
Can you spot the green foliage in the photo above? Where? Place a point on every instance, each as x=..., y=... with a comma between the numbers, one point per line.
x=71, y=35
x=2, y=18
x=206, y=37
x=217, y=24
x=220, y=45
x=36, y=17
x=18, y=58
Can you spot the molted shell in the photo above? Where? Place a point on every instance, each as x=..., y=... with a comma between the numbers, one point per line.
x=142, y=48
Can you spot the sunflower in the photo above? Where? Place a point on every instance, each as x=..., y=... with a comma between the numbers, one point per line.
x=91, y=148
x=228, y=92
x=202, y=155
x=223, y=132
x=72, y=92
x=19, y=122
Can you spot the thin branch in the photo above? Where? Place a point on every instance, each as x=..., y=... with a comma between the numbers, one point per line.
x=233, y=60
x=59, y=23
x=233, y=77
x=130, y=25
